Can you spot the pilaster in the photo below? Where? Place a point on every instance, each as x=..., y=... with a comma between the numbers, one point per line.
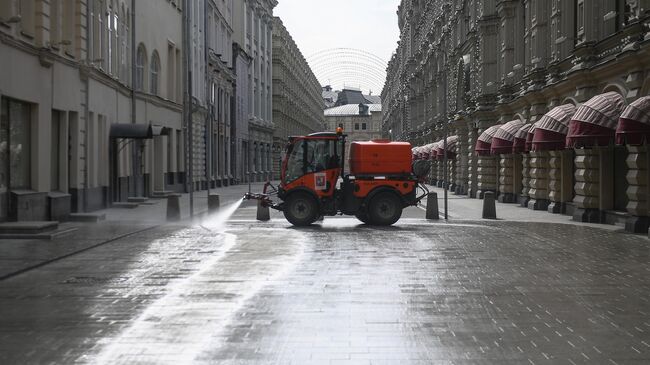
x=507, y=178
x=560, y=180
x=539, y=170
x=587, y=186
x=486, y=172
x=637, y=191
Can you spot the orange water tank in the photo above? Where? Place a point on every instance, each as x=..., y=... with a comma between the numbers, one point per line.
x=380, y=157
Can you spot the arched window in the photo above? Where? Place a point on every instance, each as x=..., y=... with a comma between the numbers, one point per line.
x=111, y=41
x=155, y=73
x=140, y=65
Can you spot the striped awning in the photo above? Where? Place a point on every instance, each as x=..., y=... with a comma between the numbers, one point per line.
x=452, y=141
x=434, y=149
x=519, y=143
x=595, y=122
x=505, y=136
x=634, y=123
x=484, y=142
x=549, y=133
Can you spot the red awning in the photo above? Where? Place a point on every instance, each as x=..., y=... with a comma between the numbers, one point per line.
x=451, y=148
x=634, y=123
x=550, y=131
x=519, y=143
x=505, y=137
x=595, y=122
x=484, y=142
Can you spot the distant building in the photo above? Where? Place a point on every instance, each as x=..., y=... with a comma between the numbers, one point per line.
x=253, y=115
x=349, y=95
x=361, y=122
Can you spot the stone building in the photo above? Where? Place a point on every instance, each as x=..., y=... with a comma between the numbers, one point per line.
x=568, y=73
x=297, y=101
x=253, y=106
x=219, y=95
x=91, y=104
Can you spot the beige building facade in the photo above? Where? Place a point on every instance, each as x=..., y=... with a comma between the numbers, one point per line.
x=72, y=75
x=297, y=101
x=475, y=64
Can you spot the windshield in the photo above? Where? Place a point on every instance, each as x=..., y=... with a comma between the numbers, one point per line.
x=294, y=158
x=308, y=156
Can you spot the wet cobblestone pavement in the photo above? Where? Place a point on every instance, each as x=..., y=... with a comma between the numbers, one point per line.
x=338, y=293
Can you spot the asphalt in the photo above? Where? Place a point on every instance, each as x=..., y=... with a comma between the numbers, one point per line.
x=231, y=290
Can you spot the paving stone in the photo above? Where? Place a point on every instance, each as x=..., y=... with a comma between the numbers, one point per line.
x=489, y=292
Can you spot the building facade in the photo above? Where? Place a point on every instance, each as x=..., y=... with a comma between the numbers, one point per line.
x=91, y=105
x=297, y=95
x=252, y=52
x=464, y=66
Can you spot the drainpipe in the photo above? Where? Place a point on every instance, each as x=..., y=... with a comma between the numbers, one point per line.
x=86, y=114
x=208, y=100
x=136, y=145
x=187, y=104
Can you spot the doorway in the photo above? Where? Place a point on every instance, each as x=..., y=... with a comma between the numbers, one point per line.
x=15, y=151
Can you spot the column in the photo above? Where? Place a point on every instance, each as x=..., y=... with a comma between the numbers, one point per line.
x=593, y=189
x=506, y=178
x=524, y=197
x=560, y=185
x=637, y=190
x=472, y=163
x=461, y=160
x=486, y=175
x=539, y=170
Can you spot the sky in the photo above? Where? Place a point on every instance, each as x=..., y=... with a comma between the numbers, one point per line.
x=316, y=25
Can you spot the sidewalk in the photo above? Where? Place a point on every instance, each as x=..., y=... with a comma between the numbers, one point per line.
x=155, y=210
x=18, y=256
x=462, y=207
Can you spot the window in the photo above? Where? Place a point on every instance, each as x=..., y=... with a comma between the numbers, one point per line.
x=140, y=62
x=55, y=22
x=27, y=18
x=295, y=158
x=55, y=163
x=155, y=73
x=356, y=126
x=580, y=21
x=363, y=126
x=171, y=95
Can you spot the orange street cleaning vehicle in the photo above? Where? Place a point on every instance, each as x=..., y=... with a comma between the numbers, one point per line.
x=379, y=185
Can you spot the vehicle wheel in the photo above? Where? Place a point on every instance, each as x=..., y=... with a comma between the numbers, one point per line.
x=301, y=209
x=385, y=209
x=363, y=216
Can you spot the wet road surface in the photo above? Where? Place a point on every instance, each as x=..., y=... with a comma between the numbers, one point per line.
x=338, y=293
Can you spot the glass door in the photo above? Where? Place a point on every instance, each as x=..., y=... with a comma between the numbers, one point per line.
x=4, y=160
x=15, y=151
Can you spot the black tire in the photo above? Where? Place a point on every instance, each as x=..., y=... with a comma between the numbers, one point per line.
x=301, y=209
x=362, y=216
x=385, y=209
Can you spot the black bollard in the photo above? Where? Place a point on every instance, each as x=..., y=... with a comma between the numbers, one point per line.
x=213, y=203
x=432, y=207
x=263, y=213
x=173, y=207
x=489, y=206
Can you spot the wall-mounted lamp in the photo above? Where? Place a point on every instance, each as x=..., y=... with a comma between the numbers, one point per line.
x=13, y=19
